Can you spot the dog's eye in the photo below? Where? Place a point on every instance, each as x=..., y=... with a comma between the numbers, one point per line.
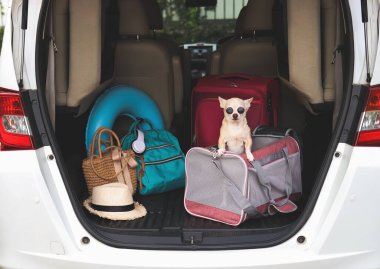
x=240, y=110
x=229, y=110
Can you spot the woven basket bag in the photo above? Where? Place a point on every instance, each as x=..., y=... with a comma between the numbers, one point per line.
x=111, y=164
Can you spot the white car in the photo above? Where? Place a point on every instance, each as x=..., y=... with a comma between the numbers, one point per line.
x=58, y=56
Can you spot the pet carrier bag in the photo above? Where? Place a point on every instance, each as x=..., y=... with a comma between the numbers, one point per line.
x=229, y=189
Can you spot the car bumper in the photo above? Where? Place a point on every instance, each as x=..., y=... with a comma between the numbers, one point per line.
x=39, y=228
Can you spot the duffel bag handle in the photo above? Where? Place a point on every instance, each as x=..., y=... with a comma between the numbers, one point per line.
x=134, y=126
x=266, y=183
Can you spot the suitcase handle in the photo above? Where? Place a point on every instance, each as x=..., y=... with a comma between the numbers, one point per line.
x=236, y=77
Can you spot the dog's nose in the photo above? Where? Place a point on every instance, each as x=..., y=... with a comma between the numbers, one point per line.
x=235, y=116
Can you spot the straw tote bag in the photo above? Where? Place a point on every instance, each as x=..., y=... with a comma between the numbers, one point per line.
x=107, y=162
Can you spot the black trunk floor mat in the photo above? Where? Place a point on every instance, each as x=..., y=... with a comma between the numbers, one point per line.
x=166, y=213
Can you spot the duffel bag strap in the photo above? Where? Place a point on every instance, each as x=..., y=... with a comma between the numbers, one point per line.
x=288, y=176
x=238, y=197
x=134, y=125
x=263, y=179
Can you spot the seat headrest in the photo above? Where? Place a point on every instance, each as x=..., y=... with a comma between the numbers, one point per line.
x=239, y=29
x=153, y=11
x=133, y=18
x=257, y=15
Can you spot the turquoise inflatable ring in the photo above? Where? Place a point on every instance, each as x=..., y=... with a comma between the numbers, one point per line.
x=121, y=100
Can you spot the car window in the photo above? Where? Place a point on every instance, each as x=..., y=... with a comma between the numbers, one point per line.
x=199, y=24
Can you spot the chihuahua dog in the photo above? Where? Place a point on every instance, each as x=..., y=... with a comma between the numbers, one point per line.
x=235, y=134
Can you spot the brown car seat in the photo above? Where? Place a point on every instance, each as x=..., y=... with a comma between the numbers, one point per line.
x=144, y=62
x=252, y=50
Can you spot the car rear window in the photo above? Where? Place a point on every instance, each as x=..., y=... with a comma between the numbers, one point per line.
x=199, y=24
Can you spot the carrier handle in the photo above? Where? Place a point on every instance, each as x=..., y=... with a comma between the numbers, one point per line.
x=288, y=189
x=289, y=176
x=238, y=197
x=264, y=182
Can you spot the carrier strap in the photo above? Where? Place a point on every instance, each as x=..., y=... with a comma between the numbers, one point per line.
x=237, y=195
x=263, y=179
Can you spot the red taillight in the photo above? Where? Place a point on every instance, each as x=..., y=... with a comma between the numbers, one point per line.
x=14, y=127
x=369, y=129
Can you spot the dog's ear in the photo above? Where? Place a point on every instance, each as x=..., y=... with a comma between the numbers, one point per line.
x=247, y=103
x=222, y=102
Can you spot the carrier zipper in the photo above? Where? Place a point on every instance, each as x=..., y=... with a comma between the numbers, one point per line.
x=160, y=146
x=164, y=160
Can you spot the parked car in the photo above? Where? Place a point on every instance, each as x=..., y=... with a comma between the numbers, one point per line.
x=58, y=56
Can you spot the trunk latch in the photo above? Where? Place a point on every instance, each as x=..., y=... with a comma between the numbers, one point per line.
x=192, y=238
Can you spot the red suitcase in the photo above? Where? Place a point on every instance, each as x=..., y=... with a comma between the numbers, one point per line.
x=207, y=115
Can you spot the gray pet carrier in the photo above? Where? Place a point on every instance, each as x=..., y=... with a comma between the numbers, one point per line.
x=230, y=189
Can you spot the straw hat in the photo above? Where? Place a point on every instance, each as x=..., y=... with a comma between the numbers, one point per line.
x=114, y=201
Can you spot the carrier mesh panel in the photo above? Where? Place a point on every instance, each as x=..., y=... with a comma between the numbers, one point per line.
x=215, y=191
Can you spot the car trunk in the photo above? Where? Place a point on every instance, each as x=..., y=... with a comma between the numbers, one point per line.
x=167, y=220
x=167, y=224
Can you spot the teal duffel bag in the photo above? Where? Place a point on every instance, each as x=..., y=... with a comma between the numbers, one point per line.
x=161, y=166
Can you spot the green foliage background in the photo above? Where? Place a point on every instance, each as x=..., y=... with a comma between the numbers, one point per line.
x=191, y=26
